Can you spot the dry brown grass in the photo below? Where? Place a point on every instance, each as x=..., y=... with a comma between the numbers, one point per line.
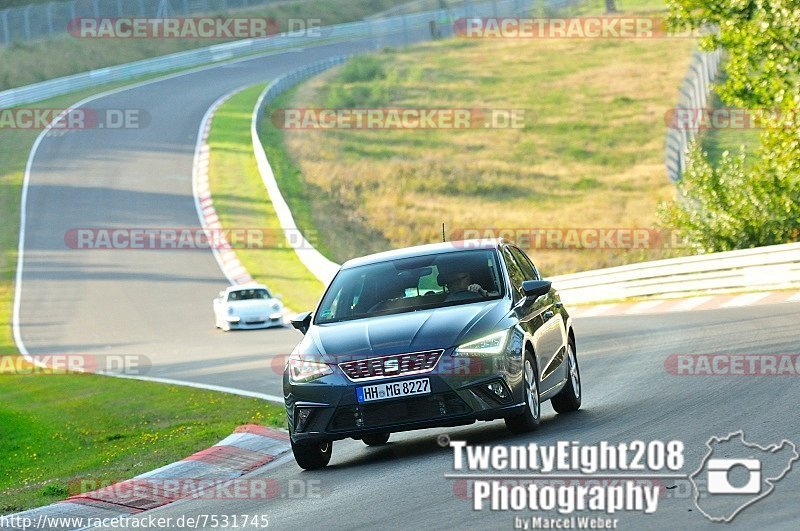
x=590, y=155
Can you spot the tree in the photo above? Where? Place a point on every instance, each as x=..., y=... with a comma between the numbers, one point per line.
x=762, y=71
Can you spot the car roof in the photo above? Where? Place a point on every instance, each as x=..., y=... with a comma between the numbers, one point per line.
x=242, y=287
x=421, y=250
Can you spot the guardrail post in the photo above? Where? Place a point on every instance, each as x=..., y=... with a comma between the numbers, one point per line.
x=6, y=34
x=27, y=22
x=119, y=8
x=49, y=11
x=95, y=9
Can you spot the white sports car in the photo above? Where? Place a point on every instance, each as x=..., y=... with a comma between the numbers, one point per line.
x=246, y=307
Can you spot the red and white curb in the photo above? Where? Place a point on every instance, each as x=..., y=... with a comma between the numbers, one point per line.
x=691, y=304
x=248, y=448
x=228, y=262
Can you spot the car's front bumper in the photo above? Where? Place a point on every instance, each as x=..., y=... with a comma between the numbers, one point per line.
x=327, y=408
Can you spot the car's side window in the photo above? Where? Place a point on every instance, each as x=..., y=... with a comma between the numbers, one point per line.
x=531, y=273
x=516, y=275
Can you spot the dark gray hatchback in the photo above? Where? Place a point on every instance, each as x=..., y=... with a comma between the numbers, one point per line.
x=428, y=336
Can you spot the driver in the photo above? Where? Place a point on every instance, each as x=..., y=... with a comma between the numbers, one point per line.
x=460, y=286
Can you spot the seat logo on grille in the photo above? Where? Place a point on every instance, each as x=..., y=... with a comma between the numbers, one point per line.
x=391, y=365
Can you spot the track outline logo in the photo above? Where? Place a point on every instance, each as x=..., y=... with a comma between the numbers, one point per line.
x=726, y=464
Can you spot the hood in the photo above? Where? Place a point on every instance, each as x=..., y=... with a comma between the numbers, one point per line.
x=438, y=328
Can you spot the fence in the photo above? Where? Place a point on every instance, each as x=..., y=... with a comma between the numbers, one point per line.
x=694, y=93
x=390, y=31
x=42, y=21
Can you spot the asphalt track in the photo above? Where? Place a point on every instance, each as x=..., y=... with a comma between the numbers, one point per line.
x=628, y=394
x=158, y=304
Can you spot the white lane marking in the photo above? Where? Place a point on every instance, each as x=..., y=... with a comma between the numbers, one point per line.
x=794, y=298
x=745, y=299
x=642, y=307
x=689, y=304
x=597, y=310
x=196, y=385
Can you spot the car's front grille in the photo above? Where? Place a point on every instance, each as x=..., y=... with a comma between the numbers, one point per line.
x=391, y=366
x=394, y=412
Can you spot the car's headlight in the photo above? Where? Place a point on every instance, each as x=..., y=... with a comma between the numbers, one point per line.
x=492, y=344
x=301, y=370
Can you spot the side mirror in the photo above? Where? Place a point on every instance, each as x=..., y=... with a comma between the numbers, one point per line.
x=278, y=296
x=302, y=321
x=536, y=288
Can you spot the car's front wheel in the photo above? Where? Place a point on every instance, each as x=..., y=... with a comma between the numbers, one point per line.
x=569, y=398
x=312, y=456
x=528, y=419
x=376, y=440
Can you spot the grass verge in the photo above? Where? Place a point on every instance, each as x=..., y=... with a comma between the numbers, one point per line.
x=25, y=63
x=242, y=201
x=590, y=154
x=58, y=428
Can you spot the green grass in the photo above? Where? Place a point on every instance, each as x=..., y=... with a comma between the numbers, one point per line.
x=242, y=202
x=26, y=63
x=61, y=428
x=57, y=428
x=590, y=153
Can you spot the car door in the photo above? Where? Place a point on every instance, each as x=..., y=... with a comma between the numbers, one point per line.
x=551, y=333
x=528, y=310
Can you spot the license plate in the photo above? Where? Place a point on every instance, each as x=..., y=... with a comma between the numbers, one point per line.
x=368, y=393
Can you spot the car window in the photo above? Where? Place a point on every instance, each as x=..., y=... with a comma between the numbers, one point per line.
x=516, y=275
x=525, y=264
x=248, y=294
x=411, y=284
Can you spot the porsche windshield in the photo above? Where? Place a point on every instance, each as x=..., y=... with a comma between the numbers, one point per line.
x=410, y=284
x=248, y=294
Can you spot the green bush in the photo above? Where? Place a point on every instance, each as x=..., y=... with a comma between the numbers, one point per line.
x=733, y=205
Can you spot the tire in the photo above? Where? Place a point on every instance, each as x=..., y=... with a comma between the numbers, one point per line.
x=528, y=419
x=378, y=439
x=312, y=456
x=569, y=398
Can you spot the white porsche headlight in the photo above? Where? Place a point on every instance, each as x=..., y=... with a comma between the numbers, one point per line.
x=492, y=344
x=301, y=370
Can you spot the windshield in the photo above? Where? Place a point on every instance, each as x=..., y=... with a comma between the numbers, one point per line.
x=411, y=284
x=248, y=294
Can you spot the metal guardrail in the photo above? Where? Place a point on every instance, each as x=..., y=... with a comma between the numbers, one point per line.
x=319, y=266
x=758, y=269
x=374, y=33
x=694, y=93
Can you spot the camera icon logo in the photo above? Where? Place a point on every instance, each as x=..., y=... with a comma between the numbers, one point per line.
x=725, y=486
x=719, y=472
